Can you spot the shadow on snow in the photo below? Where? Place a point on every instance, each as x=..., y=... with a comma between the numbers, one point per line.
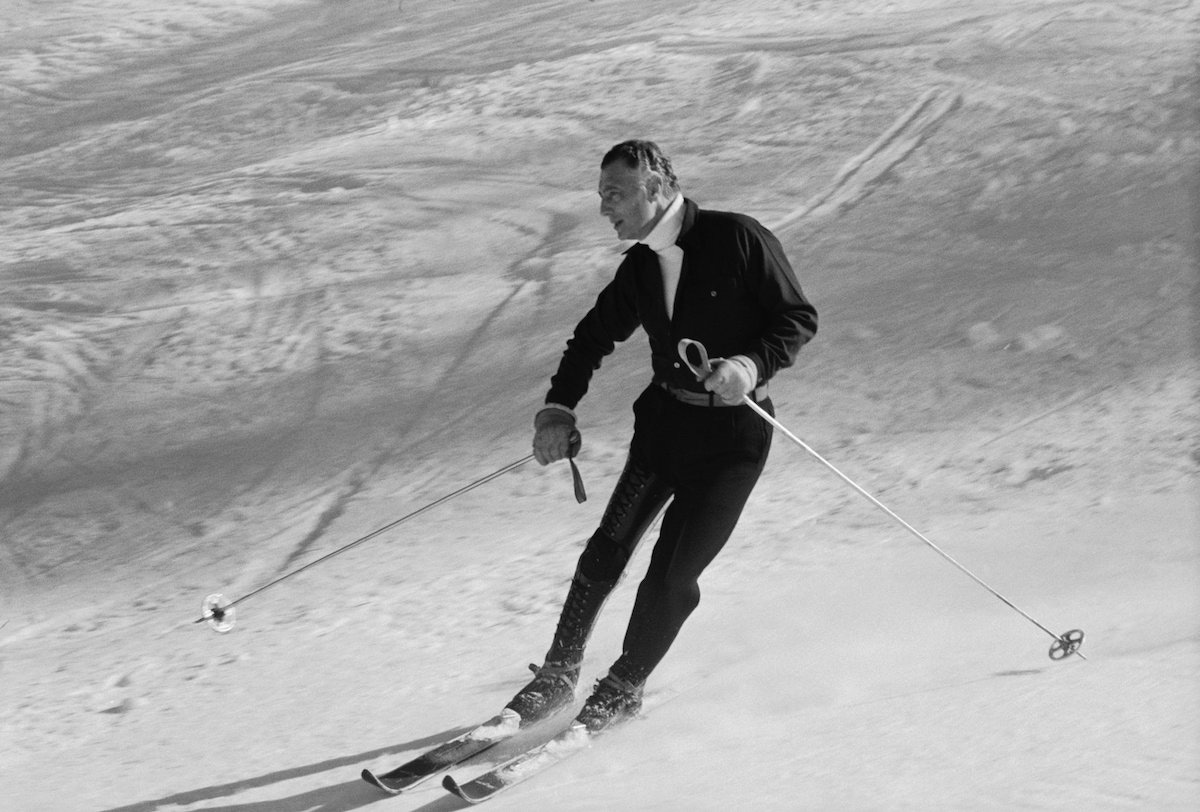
x=338, y=798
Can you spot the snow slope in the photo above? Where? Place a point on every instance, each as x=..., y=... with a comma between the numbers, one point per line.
x=277, y=273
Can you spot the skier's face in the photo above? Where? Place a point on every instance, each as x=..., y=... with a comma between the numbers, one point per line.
x=632, y=209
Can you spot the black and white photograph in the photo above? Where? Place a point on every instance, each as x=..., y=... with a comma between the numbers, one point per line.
x=599, y=405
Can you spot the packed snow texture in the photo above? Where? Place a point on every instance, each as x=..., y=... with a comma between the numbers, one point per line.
x=277, y=273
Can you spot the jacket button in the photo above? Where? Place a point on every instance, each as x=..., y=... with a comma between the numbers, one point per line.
x=712, y=293
x=677, y=365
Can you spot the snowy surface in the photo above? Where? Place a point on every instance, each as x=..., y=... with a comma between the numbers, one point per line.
x=274, y=274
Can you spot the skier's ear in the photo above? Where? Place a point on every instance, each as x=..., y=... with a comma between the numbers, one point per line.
x=653, y=185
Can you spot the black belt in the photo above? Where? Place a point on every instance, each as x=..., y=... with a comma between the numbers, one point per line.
x=709, y=398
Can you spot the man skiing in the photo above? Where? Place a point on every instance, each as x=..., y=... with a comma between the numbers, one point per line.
x=719, y=278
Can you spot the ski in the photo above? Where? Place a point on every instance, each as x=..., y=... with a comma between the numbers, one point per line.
x=447, y=754
x=539, y=758
x=523, y=766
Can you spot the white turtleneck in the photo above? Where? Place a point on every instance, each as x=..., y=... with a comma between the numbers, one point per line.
x=661, y=240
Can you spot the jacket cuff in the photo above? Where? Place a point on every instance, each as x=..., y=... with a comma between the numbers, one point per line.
x=558, y=407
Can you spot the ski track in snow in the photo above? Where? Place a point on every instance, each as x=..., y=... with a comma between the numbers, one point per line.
x=861, y=173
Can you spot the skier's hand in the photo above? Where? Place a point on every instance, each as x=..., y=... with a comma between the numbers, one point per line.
x=552, y=435
x=731, y=378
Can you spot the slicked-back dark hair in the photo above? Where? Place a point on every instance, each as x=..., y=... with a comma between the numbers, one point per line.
x=647, y=156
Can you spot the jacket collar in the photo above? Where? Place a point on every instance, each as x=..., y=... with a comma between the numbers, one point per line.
x=690, y=211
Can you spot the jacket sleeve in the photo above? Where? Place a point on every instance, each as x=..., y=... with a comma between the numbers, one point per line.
x=612, y=319
x=790, y=318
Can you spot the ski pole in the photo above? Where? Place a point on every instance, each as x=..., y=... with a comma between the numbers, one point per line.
x=220, y=614
x=1064, y=645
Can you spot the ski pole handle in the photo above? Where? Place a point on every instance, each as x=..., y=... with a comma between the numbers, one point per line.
x=704, y=366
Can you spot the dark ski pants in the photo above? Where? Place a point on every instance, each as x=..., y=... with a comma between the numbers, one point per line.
x=705, y=462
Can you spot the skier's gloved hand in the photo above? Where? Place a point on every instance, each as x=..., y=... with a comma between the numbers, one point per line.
x=554, y=435
x=732, y=378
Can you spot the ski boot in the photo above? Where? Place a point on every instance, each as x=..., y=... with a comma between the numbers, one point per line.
x=613, y=700
x=552, y=688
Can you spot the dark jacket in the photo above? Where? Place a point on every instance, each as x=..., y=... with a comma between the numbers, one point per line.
x=737, y=295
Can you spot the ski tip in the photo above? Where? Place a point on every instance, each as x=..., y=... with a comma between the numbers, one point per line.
x=453, y=787
x=375, y=781
x=460, y=791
